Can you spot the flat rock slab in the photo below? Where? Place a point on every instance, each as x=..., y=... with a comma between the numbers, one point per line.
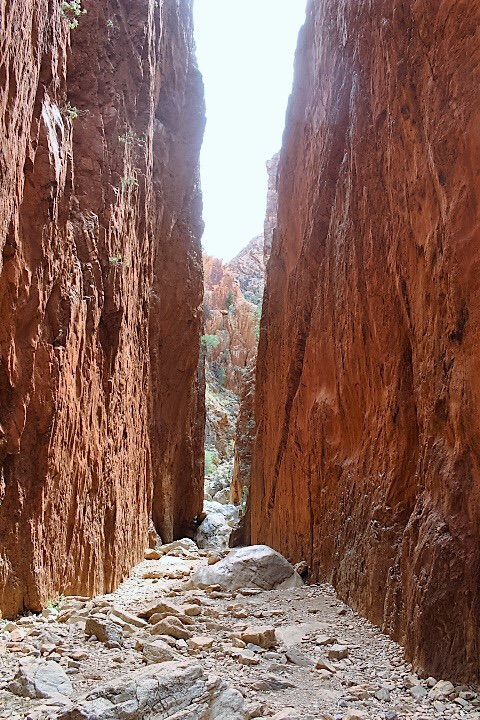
x=291, y=635
x=40, y=679
x=171, y=690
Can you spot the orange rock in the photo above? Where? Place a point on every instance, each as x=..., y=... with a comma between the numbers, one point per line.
x=366, y=460
x=101, y=412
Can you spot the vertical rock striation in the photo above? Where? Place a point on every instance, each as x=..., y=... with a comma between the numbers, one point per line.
x=100, y=291
x=366, y=461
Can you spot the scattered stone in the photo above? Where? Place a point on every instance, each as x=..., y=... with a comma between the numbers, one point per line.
x=152, y=554
x=161, y=691
x=291, y=714
x=383, y=694
x=323, y=664
x=354, y=714
x=441, y=690
x=261, y=635
x=40, y=679
x=291, y=635
x=107, y=632
x=200, y=642
x=418, y=692
x=127, y=618
x=173, y=627
x=326, y=640
x=161, y=608
x=337, y=652
x=158, y=651
x=245, y=657
x=298, y=658
x=192, y=610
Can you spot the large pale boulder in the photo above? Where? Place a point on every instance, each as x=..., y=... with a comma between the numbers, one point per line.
x=40, y=679
x=214, y=532
x=257, y=566
x=173, y=690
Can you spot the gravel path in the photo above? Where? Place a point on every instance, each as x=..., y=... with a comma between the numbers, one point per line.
x=327, y=661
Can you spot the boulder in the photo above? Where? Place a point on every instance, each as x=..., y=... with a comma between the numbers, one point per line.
x=107, y=632
x=40, y=679
x=257, y=566
x=158, y=651
x=214, y=532
x=171, y=690
x=161, y=608
x=173, y=627
x=261, y=635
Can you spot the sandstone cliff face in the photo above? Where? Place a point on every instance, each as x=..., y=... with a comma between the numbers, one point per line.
x=272, y=204
x=230, y=317
x=366, y=461
x=244, y=437
x=100, y=291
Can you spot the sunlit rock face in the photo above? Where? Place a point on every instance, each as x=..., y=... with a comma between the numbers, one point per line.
x=230, y=317
x=366, y=462
x=101, y=415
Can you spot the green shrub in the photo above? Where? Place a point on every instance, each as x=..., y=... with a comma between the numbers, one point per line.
x=210, y=341
x=70, y=10
x=230, y=300
x=210, y=464
x=70, y=111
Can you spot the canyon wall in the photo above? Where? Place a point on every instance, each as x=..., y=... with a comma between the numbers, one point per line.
x=101, y=412
x=366, y=460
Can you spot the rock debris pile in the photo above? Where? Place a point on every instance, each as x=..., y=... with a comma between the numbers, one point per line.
x=189, y=636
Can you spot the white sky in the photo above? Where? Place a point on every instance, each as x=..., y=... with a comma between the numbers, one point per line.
x=245, y=50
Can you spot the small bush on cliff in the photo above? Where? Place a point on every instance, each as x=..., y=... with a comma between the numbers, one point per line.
x=210, y=464
x=129, y=181
x=70, y=11
x=210, y=341
x=70, y=112
x=220, y=374
x=230, y=300
x=130, y=137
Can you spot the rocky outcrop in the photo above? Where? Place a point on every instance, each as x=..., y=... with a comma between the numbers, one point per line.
x=366, y=458
x=244, y=436
x=248, y=268
x=272, y=204
x=231, y=322
x=100, y=291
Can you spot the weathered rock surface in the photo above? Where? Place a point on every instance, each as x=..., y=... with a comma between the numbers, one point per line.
x=101, y=416
x=40, y=679
x=161, y=691
x=272, y=206
x=366, y=463
x=244, y=437
x=257, y=566
x=248, y=268
x=231, y=319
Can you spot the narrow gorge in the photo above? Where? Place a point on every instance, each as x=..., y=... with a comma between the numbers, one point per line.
x=242, y=488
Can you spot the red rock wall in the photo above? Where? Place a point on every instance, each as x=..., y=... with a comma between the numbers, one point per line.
x=366, y=460
x=232, y=318
x=94, y=210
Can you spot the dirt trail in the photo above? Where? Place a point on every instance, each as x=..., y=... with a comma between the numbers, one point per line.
x=370, y=681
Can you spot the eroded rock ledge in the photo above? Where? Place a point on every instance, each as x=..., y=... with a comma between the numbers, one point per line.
x=366, y=461
x=101, y=416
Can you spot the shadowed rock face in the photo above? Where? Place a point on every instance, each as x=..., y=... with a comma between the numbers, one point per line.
x=100, y=292
x=366, y=461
